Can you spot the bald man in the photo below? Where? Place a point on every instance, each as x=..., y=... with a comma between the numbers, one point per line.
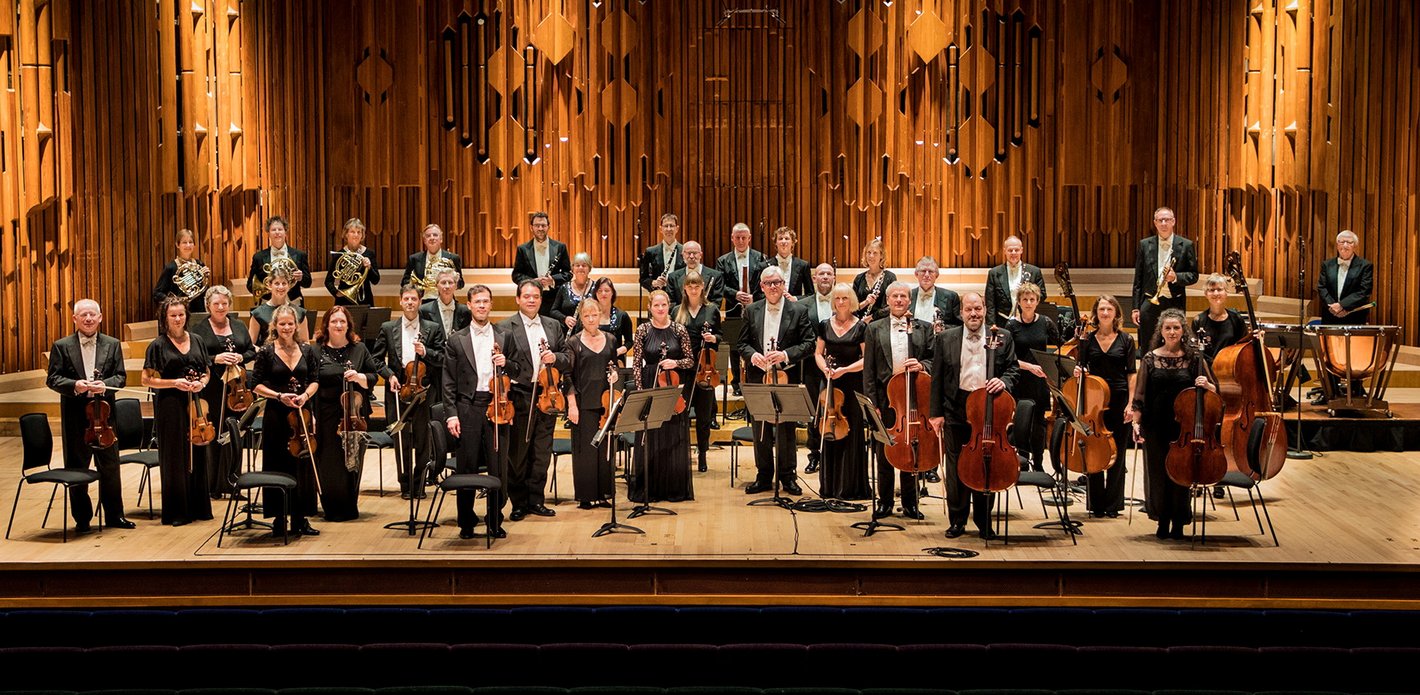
x=695, y=262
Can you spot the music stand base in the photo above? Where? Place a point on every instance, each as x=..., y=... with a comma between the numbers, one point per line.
x=777, y=500
x=614, y=527
x=246, y=524
x=644, y=509
x=1074, y=527
x=411, y=525
x=1299, y=455
x=871, y=527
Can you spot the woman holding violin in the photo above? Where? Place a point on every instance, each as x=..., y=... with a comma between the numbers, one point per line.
x=702, y=323
x=230, y=347
x=614, y=320
x=567, y=297
x=663, y=357
x=843, y=473
x=346, y=373
x=1173, y=365
x=175, y=368
x=592, y=355
x=1031, y=331
x=285, y=375
x=1108, y=353
x=259, y=325
x=871, y=285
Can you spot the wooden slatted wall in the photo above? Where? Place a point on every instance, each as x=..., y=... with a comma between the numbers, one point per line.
x=941, y=125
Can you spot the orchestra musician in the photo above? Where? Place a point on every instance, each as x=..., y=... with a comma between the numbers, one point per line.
x=819, y=300
x=1152, y=256
x=279, y=255
x=591, y=352
x=340, y=461
x=787, y=323
x=227, y=342
x=871, y=284
x=1004, y=281
x=614, y=320
x=1108, y=353
x=740, y=269
x=655, y=259
x=285, y=374
x=1222, y=326
x=259, y=322
x=445, y=309
x=935, y=305
x=1031, y=331
x=1174, y=364
x=83, y=366
x=354, y=238
x=544, y=260
x=423, y=267
x=701, y=318
x=694, y=263
x=890, y=347
x=404, y=339
x=797, y=280
x=960, y=358
x=840, y=338
x=196, y=275
x=568, y=296
x=662, y=345
x=466, y=385
x=174, y=368
x=530, y=450
x=1345, y=283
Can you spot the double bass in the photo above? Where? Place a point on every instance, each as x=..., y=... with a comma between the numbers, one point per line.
x=915, y=447
x=988, y=462
x=1244, y=373
x=1196, y=457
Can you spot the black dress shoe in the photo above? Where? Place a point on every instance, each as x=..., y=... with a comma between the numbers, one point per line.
x=541, y=510
x=602, y=504
x=1163, y=532
x=307, y=530
x=497, y=533
x=517, y=515
x=955, y=531
x=932, y=477
x=913, y=513
x=584, y=505
x=813, y=463
x=756, y=488
x=466, y=533
x=120, y=522
x=83, y=527
x=989, y=535
x=882, y=511
x=703, y=467
x=791, y=488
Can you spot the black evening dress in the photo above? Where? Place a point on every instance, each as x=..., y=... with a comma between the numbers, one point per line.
x=844, y=471
x=181, y=465
x=1160, y=380
x=222, y=467
x=1220, y=334
x=272, y=372
x=701, y=400
x=592, y=473
x=1105, y=491
x=1030, y=435
x=666, y=449
x=339, y=475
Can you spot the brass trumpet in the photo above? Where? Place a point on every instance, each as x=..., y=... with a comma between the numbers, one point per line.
x=349, y=272
x=258, y=286
x=191, y=278
x=1163, y=281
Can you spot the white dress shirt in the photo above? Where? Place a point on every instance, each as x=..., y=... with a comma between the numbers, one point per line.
x=825, y=305
x=973, y=360
x=742, y=270
x=773, y=316
x=540, y=259
x=446, y=314
x=408, y=331
x=1165, y=253
x=482, y=352
x=926, y=308
x=88, y=349
x=901, y=342
x=1342, y=267
x=533, y=327
x=1014, y=275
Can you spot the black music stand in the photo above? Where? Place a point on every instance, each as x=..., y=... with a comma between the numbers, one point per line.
x=1058, y=368
x=612, y=427
x=773, y=405
x=648, y=409
x=366, y=320
x=415, y=487
x=1299, y=342
x=877, y=432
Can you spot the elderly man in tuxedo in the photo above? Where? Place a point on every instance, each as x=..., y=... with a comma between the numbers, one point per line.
x=1004, y=280
x=899, y=344
x=1153, y=255
x=778, y=334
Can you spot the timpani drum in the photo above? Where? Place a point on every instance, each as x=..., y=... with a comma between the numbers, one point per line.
x=1363, y=355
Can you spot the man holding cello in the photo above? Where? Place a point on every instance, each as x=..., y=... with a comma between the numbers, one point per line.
x=899, y=345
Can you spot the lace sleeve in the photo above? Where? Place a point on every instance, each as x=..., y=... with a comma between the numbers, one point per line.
x=637, y=348
x=687, y=360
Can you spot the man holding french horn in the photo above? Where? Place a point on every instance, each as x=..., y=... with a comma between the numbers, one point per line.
x=278, y=255
x=353, y=273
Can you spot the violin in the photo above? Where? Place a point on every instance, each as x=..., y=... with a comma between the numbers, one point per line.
x=200, y=432
x=1071, y=347
x=1090, y=446
x=412, y=387
x=706, y=375
x=609, y=395
x=775, y=375
x=670, y=377
x=988, y=462
x=1245, y=384
x=300, y=444
x=99, y=435
x=832, y=424
x=552, y=400
x=915, y=448
x=236, y=396
x=500, y=410
x=1197, y=457
x=351, y=403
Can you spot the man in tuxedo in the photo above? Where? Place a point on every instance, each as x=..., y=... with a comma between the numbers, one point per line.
x=789, y=325
x=797, y=279
x=404, y=339
x=1153, y=255
x=932, y=304
x=433, y=259
x=468, y=368
x=667, y=253
x=445, y=309
x=959, y=354
x=276, y=232
x=694, y=263
x=900, y=344
x=1345, y=283
x=81, y=365
x=740, y=269
x=820, y=306
x=530, y=451
x=1003, y=281
x=542, y=259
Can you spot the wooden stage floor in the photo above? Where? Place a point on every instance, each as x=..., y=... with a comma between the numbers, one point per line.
x=1348, y=525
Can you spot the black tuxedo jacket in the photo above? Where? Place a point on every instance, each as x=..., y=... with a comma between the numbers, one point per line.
x=389, y=346
x=460, y=373
x=429, y=311
x=261, y=258
x=799, y=280
x=730, y=273
x=66, y=367
x=877, y=356
x=714, y=284
x=414, y=267
x=559, y=265
x=366, y=295
x=797, y=337
x=1357, y=292
x=520, y=359
x=998, y=291
x=810, y=299
x=1146, y=269
x=653, y=263
x=947, y=396
x=946, y=302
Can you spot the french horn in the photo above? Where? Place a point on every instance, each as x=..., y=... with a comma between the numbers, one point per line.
x=258, y=286
x=191, y=278
x=430, y=282
x=349, y=272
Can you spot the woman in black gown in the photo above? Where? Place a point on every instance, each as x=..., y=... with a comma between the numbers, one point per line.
x=843, y=473
x=702, y=324
x=662, y=344
x=1108, y=353
x=614, y=320
x=227, y=343
x=175, y=368
x=344, y=362
x=259, y=325
x=167, y=280
x=1031, y=331
x=285, y=374
x=591, y=352
x=571, y=294
x=1172, y=366
x=871, y=285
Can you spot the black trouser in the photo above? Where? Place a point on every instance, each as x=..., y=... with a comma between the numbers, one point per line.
x=732, y=327
x=703, y=401
x=885, y=472
x=476, y=451
x=529, y=452
x=960, y=498
x=1167, y=501
x=411, y=445
x=1106, y=490
x=775, y=452
x=76, y=456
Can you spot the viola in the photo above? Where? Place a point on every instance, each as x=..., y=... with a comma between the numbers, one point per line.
x=351, y=403
x=915, y=448
x=832, y=424
x=412, y=386
x=200, y=432
x=1244, y=373
x=551, y=400
x=1197, y=457
x=670, y=377
x=99, y=435
x=1089, y=447
x=300, y=443
x=988, y=462
x=775, y=375
x=706, y=375
x=500, y=409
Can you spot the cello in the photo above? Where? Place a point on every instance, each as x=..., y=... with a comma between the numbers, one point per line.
x=1090, y=446
x=915, y=447
x=1244, y=373
x=1197, y=457
x=988, y=462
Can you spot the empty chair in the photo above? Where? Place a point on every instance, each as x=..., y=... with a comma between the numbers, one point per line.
x=38, y=442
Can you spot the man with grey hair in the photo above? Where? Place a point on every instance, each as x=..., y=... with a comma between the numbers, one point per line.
x=739, y=270
x=433, y=258
x=83, y=366
x=778, y=335
x=936, y=306
x=1004, y=280
x=1345, y=283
